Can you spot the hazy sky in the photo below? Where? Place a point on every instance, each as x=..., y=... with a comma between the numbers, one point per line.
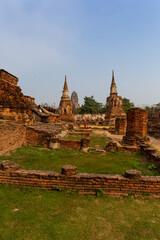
x=42, y=40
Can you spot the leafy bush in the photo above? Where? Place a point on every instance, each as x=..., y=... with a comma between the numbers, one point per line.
x=99, y=192
x=152, y=167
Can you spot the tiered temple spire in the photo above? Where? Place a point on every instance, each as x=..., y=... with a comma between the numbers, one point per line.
x=65, y=84
x=114, y=106
x=65, y=93
x=113, y=88
x=65, y=105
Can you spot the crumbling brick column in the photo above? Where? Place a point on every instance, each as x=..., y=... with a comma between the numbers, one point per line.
x=111, y=147
x=133, y=174
x=120, y=125
x=9, y=166
x=69, y=170
x=136, y=132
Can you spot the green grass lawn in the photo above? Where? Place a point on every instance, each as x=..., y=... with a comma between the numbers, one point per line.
x=110, y=163
x=100, y=142
x=30, y=214
x=98, y=139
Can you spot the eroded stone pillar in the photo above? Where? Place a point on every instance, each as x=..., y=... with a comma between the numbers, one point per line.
x=69, y=170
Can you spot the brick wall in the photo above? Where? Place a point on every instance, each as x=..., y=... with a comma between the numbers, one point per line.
x=70, y=144
x=131, y=182
x=12, y=136
x=41, y=134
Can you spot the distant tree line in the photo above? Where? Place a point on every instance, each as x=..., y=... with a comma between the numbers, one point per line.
x=92, y=106
x=155, y=106
x=127, y=104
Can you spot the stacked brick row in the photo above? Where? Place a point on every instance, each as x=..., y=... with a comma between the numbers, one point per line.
x=70, y=180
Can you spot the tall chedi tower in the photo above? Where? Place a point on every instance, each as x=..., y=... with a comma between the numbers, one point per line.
x=114, y=106
x=65, y=106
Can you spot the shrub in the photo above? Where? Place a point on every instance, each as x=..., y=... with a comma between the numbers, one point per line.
x=99, y=192
x=152, y=167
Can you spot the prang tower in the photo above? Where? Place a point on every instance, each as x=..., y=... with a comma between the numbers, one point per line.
x=75, y=103
x=65, y=106
x=114, y=106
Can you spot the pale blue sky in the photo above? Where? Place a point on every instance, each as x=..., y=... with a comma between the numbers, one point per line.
x=42, y=40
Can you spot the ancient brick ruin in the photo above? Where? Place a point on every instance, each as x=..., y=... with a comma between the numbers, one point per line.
x=13, y=135
x=114, y=106
x=136, y=132
x=13, y=104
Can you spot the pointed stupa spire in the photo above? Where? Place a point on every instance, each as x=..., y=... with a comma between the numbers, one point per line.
x=113, y=81
x=65, y=84
x=65, y=92
x=113, y=88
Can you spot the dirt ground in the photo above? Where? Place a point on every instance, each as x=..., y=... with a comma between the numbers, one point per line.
x=155, y=143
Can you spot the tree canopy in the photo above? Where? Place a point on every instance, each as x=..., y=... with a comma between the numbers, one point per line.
x=127, y=104
x=91, y=106
x=157, y=107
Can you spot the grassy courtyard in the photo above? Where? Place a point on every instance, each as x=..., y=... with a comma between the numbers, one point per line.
x=110, y=163
x=30, y=214
x=97, y=139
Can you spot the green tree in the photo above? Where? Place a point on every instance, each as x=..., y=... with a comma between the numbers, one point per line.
x=148, y=108
x=91, y=106
x=127, y=104
x=157, y=108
